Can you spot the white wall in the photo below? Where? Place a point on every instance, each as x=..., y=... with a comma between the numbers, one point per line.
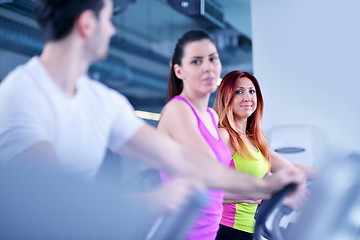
x=306, y=56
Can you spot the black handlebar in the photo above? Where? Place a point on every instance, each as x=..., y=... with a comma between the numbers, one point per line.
x=266, y=208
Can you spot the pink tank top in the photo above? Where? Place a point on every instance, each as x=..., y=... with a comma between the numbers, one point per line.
x=206, y=226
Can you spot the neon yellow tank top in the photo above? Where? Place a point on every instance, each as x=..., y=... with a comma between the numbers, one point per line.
x=241, y=215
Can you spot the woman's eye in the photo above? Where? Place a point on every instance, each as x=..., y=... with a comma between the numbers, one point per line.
x=196, y=62
x=213, y=59
x=252, y=91
x=239, y=91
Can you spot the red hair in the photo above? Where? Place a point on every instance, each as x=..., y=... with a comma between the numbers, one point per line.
x=223, y=107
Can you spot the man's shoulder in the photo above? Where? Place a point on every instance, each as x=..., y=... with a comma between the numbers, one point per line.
x=101, y=90
x=21, y=73
x=21, y=87
x=95, y=85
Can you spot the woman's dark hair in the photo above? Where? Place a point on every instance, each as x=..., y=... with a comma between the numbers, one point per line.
x=57, y=17
x=175, y=85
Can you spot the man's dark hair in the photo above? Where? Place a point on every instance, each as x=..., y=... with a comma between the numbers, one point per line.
x=57, y=17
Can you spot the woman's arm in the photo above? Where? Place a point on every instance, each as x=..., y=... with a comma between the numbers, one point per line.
x=178, y=152
x=226, y=138
x=278, y=162
x=179, y=122
x=237, y=198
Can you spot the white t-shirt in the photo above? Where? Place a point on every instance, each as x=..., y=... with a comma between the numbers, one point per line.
x=80, y=127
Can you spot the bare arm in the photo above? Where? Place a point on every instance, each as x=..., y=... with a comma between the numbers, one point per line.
x=309, y=171
x=170, y=196
x=162, y=152
x=278, y=162
x=236, y=198
x=41, y=153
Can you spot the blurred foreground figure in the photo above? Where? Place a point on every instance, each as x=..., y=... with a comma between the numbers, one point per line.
x=333, y=209
x=43, y=203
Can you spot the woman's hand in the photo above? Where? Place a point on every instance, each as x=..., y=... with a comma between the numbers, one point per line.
x=296, y=199
x=173, y=195
x=276, y=181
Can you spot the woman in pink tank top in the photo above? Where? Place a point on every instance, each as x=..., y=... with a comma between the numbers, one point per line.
x=195, y=70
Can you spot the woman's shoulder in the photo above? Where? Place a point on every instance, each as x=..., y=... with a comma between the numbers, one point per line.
x=177, y=112
x=224, y=134
x=177, y=116
x=177, y=107
x=213, y=111
x=214, y=114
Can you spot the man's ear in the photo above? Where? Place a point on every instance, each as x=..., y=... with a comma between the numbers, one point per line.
x=178, y=71
x=86, y=23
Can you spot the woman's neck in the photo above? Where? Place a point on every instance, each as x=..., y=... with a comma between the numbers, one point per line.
x=241, y=125
x=200, y=103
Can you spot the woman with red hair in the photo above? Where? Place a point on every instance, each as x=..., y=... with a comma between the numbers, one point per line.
x=239, y=104
x=186, y=117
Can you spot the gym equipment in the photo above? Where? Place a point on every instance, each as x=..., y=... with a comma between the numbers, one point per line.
x=298, y=143
x=331, y=212
x=266, y=208
x=174, y=226
x=45, y=203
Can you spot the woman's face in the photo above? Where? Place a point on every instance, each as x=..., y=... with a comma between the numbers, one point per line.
x=200, y=67
x=244, y=102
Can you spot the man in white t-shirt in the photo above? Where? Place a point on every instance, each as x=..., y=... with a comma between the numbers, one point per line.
x=79, y=127
x=51, y=112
